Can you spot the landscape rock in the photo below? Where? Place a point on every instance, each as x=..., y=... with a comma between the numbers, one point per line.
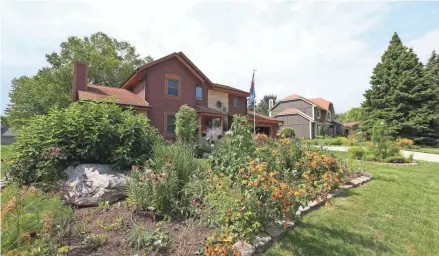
x=89, y=184
x=262, y=242
x=346, y=186
x=275, y=230
x=356, y=182
x=244, y=248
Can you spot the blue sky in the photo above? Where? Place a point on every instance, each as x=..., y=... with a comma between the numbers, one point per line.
x=314, y=49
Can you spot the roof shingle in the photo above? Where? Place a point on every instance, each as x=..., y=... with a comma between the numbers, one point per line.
x=122, y=96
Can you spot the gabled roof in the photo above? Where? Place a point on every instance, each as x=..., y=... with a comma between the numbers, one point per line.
x=6, y=132
x=122, y=96
x=294, y=111
x=321, y=103
x=140, y=72
x=262, y=117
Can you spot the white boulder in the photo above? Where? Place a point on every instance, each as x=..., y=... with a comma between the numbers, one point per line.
x=89, y=184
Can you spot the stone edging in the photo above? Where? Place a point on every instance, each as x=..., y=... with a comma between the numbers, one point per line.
x=394, y=164
x=274, y=232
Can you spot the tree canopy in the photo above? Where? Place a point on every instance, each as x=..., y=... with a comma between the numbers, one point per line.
x=110, y=62
x=262, y=106
x=352, y=115
x=401, y=96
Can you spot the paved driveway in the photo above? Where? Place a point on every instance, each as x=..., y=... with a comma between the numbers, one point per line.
x=405, y=153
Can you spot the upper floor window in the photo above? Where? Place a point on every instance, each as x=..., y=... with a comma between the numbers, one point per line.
x=236, y=101
x=170, y=124
x=172, y=87
x=329, y=116
x=318, y=113
x=199, y=93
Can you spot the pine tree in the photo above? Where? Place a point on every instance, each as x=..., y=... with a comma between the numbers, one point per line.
x=431, y=75
x=400, y=96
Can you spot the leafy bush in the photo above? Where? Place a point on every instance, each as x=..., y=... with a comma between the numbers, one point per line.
x=260, y=138
x=356, y=152
x=235, y=150
x=287, y=133
x=186, y=124
x=31, y=221
x=404, y=143
x=396, y=159
x=87, y=132
x=329, y=141
x=277, y=178
x=162, y=185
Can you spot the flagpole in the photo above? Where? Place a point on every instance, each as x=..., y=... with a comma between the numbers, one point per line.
x=254, y=106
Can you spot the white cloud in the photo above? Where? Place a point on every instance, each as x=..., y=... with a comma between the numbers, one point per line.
x=424, y=45
x=313, y=49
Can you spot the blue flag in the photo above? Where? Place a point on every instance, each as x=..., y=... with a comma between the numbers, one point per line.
x=252, y=97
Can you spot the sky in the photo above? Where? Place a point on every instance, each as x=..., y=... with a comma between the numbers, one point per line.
x=314, y=49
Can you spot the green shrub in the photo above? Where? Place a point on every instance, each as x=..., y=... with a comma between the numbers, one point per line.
x=31, y=221
x=356, y=152
x=287, y=133
x=235, y=150
x=85, y=132
x=396, y=159
x=162, y=185
x=186, y=124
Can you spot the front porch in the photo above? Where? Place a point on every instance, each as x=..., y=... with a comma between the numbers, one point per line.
x=210, y=122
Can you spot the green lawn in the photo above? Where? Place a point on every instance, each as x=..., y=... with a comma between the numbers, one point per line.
x=6, y=152
x=397, y=213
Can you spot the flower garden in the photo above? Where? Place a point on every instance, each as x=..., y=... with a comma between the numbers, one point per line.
x=246, y=183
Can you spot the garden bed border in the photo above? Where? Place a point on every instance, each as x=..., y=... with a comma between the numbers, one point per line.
x=273, y=232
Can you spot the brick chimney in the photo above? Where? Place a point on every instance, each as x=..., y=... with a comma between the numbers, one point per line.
x=80, y=79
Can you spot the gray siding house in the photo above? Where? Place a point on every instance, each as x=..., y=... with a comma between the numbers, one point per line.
x=308, y=117
x=7, y=136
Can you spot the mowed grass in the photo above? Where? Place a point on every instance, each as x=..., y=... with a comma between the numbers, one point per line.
x=397, y=213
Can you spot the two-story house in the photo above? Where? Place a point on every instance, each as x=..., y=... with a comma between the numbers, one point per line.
x=160, y=87
x=308, y=117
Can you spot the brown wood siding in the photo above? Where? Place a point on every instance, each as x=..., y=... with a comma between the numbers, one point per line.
x=298, y=123
x=155, y=91
x=241, y=110
x=299, y=104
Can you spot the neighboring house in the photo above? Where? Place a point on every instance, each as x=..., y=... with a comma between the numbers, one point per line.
x=8, y=136
x=308, y=117
x=351, y=128
x=160, y=87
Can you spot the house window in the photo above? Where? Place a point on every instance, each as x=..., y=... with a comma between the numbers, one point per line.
x=199, y=93
x=172, y=87
x=329, y=116
x=236, y=101
x=170, y=124
x=319, y=113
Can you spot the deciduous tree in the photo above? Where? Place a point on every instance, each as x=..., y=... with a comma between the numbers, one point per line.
x=110, y=62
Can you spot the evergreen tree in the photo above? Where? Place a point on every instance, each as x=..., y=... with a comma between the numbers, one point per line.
x=400, y=96
x=431, y=75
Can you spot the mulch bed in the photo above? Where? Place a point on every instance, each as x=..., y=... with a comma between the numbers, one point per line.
x=187, y=236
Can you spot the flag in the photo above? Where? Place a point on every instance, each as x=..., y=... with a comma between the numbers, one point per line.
x=252, y=97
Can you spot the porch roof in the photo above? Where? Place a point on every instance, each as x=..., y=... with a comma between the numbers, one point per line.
x=206, y=110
